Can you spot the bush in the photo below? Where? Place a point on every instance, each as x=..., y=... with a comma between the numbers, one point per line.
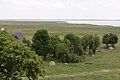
x=110, y=39
x=41, y=41
x=90, y=42
x=73, y=58
x=27, y=42
x=61, y=52
x=113, y=39
x=54, y=41
x=74, y=44
x=106, y=40
x=17, y=59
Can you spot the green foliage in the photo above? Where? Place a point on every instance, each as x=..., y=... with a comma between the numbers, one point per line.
x=90, y=42
x=54, y=40
x=106, y=40
x=110, y=39
x=41, y=42
x=27, y=42
x=17, y=59
x=75, y=49
x=113, y=39
x=73, y=58
x=74, y=44
x=61, y=49
x=61, y=52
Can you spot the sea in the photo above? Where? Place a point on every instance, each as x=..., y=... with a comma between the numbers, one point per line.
x=114, y=23
x=107, y=22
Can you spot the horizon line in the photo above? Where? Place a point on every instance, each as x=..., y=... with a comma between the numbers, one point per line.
x=60, y=19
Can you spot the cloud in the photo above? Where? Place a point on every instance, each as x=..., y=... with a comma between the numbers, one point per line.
x=59, y=9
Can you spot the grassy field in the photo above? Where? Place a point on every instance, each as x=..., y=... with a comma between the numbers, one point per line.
x=104, y=65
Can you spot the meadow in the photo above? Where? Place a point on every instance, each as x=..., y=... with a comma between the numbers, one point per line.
x=104, y=65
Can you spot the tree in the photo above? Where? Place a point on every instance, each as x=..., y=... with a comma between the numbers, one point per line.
x=106, y=40
x=61, y=52
x=90, y=42
x=96, y=43
x=54, y=40
x=113, y=39
x=110, y=39
x=17, y=59
x=74, y=44
x=41, y=42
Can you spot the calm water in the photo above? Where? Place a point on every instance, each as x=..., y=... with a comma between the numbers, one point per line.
x=115, y=23
x=112, y=23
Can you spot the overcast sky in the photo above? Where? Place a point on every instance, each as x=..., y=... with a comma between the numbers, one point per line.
x=59, y=9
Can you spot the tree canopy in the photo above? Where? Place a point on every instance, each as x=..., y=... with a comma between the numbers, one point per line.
x=17, y=59
x=110, y=39
x=41, y=41
x=90, y=42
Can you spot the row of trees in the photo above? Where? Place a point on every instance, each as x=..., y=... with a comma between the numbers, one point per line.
x=70, y=49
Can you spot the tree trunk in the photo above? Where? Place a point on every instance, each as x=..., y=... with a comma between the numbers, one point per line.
x=107, y=46
x=113, y=45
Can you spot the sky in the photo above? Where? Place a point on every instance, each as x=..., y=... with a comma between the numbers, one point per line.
x=59, y=9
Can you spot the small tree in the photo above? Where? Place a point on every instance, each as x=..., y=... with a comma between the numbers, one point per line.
x=91, y=43
x=96, y=44
x=74, y=44
x=54, y=40
x=113, y=39
x=17, y=59
x=41, y=42
x=110, y=39
x=62, y=52
x=106, y=40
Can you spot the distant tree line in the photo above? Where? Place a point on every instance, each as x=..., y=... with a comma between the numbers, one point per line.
x=69, y=49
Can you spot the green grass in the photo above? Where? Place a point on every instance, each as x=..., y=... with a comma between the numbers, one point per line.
x=101, y=61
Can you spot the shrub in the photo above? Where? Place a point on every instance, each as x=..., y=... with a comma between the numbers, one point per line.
x=54, y=41
x=90, y=42
x=110, y=39
x=17, y=59
x=61, y=51
x=27, y=42
x=106, y=40
x=74, y=44
x=113, y=39
x=41, y=42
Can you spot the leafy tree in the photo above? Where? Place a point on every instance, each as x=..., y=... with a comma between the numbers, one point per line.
x=90, y=42
x=41, y=42
x=17, y=59
x=54, y=40
x=63, y=55
x=113, y=39
x=96, y=43
x=61, y=52
x=106, y=40
x=74, y=44
x=110, y=39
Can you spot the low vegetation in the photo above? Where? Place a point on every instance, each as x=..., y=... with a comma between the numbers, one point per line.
x=72, y=52
x=110, y=39
x=17, y=59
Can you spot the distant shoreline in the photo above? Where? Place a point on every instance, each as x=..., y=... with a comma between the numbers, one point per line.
x=59, y=19
x=104, y=22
